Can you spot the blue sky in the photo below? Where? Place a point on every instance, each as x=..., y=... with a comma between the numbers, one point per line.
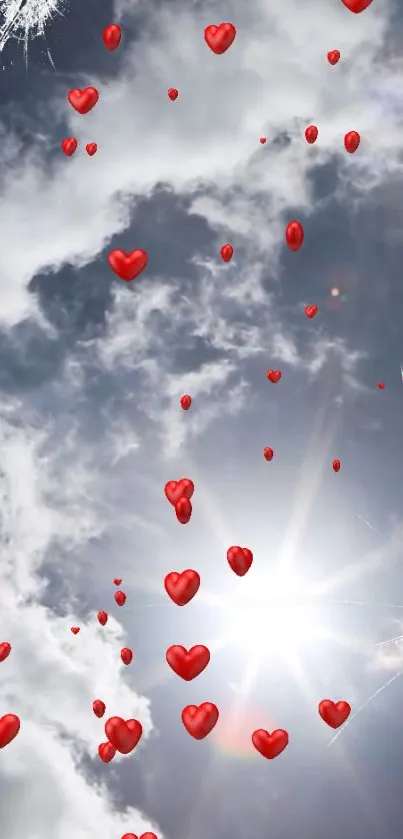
x=91, y=426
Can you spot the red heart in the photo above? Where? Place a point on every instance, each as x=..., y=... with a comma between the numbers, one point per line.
x=83, y=101
x=147, y=835
x=239, y=559
x=111, y=36
x=181, y=588
x=103, y=618
x=268, y=453
x=173, y=93
x=174, y=490
x=75, y=630
x=262, y=140
x=219, y=38
x=183, y=510
x=336, y=465
x=91, y=149
x=273, y=375
x=270, y=745
x=356, y=6
x=200, y=720
x=126, y=655
x=311, y=134
x=311, y=311
x=333, y=56
x=5, y=650
x=227, y=252
x=186, y=402
x=99, y=708
x=334, y=713
x=381, y=385
x=188, y=663
x=106, y=752
x=352, y=141
x=124, y=736
x=69, y=146
x=117, y=581
x=120, y=598
x=9, y=728
x=128, y=266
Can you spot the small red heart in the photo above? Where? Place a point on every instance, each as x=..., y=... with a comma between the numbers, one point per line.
x=186, y=402
x=273, y=375
x=83, y=101
x=270, y=745
x=183, y=510
x=351, y=141
x=9, y=728
x=117, y=581
x=336, y=465
x=182, y=587
x=75, y=630
x=356, y=6
x=311, y=134
x=188, y=663
x=120, y=598
x=227, y=252
x=219, y=38
x=268, y=453
x=381, y=385
x=173, y=93
x=69, y=146
x=263, y=140
x=239, y=559
x=128, y=266
x=200, y=720
x=111, y=36
x=91, y=149
x=98, y=707
x=103, y=618
x=333, y=56
x=106, y=752
x=124, y=735
x=5, y=650
x=174, y=490
x=311, y=311
x=126, y=655
x=334, y=713
x=294, y=235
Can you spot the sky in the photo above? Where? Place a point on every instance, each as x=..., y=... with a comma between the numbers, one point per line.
x=91, y=427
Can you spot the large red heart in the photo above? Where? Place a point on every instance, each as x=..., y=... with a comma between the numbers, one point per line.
x=9, y=728
x=128, y=266
x=334, y=713
x=124, y=736
x=239, y=559
x=174, y=490
x=356, y=6
x=270, y=745
x=188, y=663
x=200, y=720
x=181, y=588
x=219, y=38
x=83, y=100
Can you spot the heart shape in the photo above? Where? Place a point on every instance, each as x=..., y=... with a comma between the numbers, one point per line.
x=199, y=720
x=124, y=735
x=274, y=375
x=183, y=510
x=333, y=56
x=173, y=93
x=270, y=745
x=75, y=629
x=219, y=38
x=147, y=835
x=106, y=752
x=9, y=728
x=83, y=101
x=111, y=36
x=117, y=581
x=127, y=266
x=356, y=6
x=69, y=146
x=181, y=588
x=174, y=490
x=188, y=663
x=91, y=149
x=5, y=650
x=311, y=311
x=334, y=713
x=239, y=559
x=103, y=618
x=98, y=708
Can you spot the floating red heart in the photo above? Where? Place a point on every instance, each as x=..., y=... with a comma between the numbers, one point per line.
x=9, y=728
x=186, y=402
x=381, y=385
x=227, y=252
x=351, y=141
x=356, y=6
x=103, y=618
x=183, y=510
x=126, y=655
x=127, y=266
x=106, y=752
x=91, y=149
x=311, y=134
x=219, y=38
x=334, y=713
x=294, y=235
x=69, y=146
x=83, y=101
x=336, y=465
x=188, y=663
x=5, y=650
x=98, y=708
x=268, y=453
x=239, y=559
x=311, y=311
x=124, y=735
x=75, y=629
x=120, y=598
x=333, y=56
x=173, y=93
x=200, y=720
x=112, y=35
x=174, y=490
x=270, y=745
x=147, y=835
x=182, y=587
x=273, y=376
x=263, y=140
x=117, y=581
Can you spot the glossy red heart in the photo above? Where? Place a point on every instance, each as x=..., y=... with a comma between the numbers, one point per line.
x=106, y=752
x=200, y=720
x=270, y=745
x=83, y=101
x=263, y=140
x=183, y=510
x=9, y=728
x=5, y=650
x=239, y=559
x=381, y=386
x=311, y=311
x=69, y=146
x=273, y=375
x=186, y=402
x=227, y=252
x=311, y=134
x=112, y=35
x=351, y=141
x=117, y=581
x=146, y=835
x=98, y=708
x=120, y=598
x=91, y=149
x=103, y=617
x=356, y=6
x=127, y=266
x=174, y=490
x=268, y=453
x=188, y=663
x=173, y=93
x=182, y=587
x=336, y=465
x=219, y=38
x=124, y=735
x=333, y=56
x=294, y=235
x=126, y=655
x=334, y=713
x=75, y=629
